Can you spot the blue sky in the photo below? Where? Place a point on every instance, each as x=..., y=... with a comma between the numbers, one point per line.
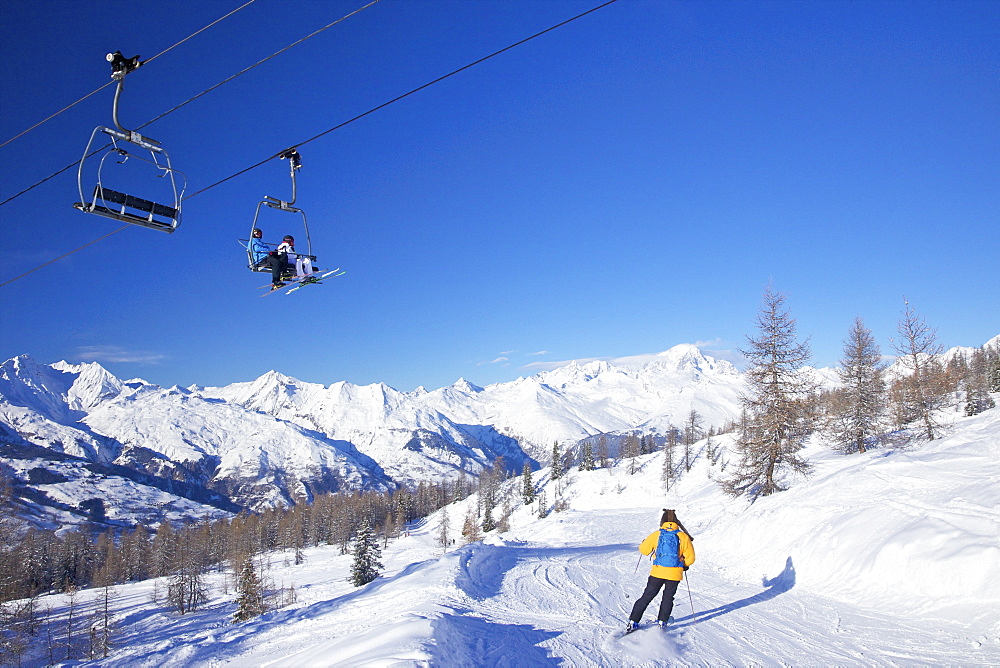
x=628, y=182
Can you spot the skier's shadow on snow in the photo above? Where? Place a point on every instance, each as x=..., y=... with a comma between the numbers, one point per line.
x=775, y=586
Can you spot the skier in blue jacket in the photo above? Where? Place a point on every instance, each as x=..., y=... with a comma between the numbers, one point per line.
x=262, y=256
x=672, y=552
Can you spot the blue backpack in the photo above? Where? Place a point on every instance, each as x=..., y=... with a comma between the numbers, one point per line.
x=668, y=549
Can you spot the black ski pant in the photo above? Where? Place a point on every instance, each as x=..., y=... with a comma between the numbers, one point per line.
x=277, y=264
x=653, y=585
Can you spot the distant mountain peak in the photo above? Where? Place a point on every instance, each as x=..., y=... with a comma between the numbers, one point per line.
x=465, y=386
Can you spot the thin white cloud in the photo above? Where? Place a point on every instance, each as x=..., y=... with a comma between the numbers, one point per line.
x=117, y=354
x=540, y=352
x=732, y=356
x=499, y=360
x=707, y=344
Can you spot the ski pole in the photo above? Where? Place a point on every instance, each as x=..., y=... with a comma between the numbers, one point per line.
x=691, y=600
x=637, y=565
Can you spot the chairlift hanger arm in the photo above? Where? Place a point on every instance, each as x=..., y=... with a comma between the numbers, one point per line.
x=120, y=67
x=294, y=163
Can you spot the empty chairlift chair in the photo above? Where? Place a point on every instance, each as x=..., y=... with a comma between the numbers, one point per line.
x=126, y=145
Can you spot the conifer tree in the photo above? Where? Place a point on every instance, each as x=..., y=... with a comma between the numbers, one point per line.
x=556, y=462
x=503, y=524
x=527, y=486
x=103, y=619
x=779, y=416
x=692, y=433
x=859, y=407
x=977, y=392
x=72, y=607
x=367, y=563
x=543, y=506
x=992, y=354
x=919, y=394
x=567, y=462
x=489, y=524
x=444, y=536
x=470, y=528
x=587, y=457
x=602, y=451
x=712, y=451
x=667, y=474
x=631, y=451
x=250, y=593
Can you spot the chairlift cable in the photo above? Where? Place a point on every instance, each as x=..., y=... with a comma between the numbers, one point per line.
x=194, y=34
x=405, y=95
x=192, y=99
x=261, y=62
x=69, y=106
x=45, y=120
x=325, y=132
x=65, y=255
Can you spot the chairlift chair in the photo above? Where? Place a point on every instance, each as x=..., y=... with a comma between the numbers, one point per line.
x=295, y=163
x=126, y=144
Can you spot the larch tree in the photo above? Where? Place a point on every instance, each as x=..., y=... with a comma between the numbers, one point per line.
x=859, y=407
x=692, y=434
x=444, y=530
x=777, y=405
x=630, y=449
x=470, y=528
x=919, y=393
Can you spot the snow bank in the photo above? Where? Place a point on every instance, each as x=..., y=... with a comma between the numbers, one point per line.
x=915, y=531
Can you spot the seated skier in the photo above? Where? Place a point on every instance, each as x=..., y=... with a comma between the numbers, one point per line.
x=262, y=256
x=303, y=265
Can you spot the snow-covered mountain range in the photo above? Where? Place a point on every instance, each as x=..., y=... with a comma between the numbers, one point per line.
x=80, y=444
x=276, y=439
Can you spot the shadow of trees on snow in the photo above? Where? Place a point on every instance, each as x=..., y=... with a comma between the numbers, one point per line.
x=465, y=640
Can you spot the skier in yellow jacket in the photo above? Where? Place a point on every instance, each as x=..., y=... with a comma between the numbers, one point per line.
x=672, y=552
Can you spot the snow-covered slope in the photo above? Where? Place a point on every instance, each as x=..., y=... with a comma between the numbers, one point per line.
x=883, y=559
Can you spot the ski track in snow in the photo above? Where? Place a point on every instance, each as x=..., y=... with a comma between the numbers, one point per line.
x=558, y=601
